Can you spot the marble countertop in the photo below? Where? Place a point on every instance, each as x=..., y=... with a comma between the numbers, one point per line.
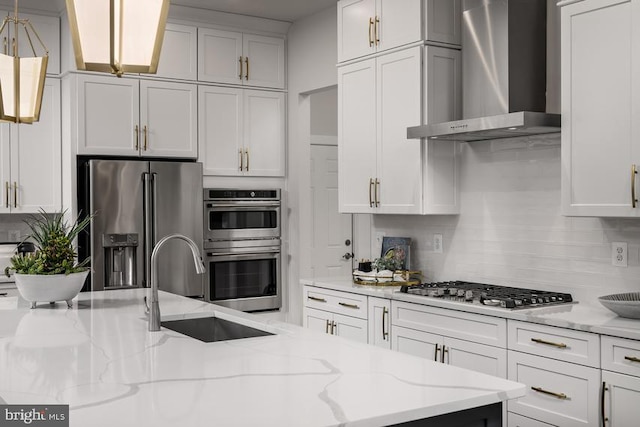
x=99, y=358
x=587, y=316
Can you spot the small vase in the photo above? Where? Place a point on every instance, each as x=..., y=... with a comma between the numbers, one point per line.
x=50, y=287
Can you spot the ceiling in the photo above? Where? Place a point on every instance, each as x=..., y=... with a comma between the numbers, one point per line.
x=283, y=10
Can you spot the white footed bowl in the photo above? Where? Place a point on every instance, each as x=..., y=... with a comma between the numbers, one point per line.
x=50, y=287
x=624, y=305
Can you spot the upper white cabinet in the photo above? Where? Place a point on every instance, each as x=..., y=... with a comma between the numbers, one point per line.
x=600, y=108
x=31, y=159
x=380, y=170
x=370, y=26
x=179, y=55
x=123, y=116
x=241, y=131
x=240, y=58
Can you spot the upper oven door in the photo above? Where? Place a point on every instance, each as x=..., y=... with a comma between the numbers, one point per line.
x=241, y=220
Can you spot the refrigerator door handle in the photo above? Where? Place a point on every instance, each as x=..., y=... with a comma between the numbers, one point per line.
x=154, y=206
x=148, y=233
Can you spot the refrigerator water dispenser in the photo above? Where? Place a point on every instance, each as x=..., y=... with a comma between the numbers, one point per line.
x=120, y=260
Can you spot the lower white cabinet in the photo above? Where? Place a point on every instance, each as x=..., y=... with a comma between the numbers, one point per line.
x=620, y=381
x=379, y=317
x=336, y=324
x=516, y=420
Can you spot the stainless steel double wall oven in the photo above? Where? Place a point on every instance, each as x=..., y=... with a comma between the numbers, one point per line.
x=242, y=248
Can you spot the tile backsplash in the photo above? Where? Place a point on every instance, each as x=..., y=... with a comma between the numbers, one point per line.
x=12, y=224
x=510, y=230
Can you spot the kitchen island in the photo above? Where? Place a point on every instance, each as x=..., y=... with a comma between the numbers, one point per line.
x=99, y=358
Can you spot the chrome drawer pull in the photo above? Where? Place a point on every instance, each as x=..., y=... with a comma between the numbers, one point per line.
x=344, y=304
x=317, y=299
x=632, y=359
x=550, y=393
x=554, y=344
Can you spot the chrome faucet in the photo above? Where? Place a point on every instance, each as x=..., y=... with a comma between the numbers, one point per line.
x=154, y=314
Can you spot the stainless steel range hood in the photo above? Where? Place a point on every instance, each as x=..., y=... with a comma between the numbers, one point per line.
x=504, y=71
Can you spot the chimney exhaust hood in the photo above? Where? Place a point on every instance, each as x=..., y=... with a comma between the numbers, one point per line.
x=504, y=74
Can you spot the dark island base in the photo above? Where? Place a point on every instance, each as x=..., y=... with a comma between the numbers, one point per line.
x=482, y=416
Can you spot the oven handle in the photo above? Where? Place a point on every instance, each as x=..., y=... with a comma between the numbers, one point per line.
x=244, y=205
x=216, y=254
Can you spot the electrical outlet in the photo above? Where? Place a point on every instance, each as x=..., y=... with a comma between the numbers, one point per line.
x=437, y=243
x=379, y=236
x=619, y=254
x=13, y=235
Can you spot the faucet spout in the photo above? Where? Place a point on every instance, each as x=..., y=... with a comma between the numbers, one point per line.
x=154, y=307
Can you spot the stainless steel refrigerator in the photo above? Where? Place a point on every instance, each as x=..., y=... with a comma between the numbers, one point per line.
x=136, y=203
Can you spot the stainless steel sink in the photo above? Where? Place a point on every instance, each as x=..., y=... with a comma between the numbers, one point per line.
x=210, y=329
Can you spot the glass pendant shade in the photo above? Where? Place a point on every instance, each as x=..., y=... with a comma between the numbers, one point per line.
x=117, y=36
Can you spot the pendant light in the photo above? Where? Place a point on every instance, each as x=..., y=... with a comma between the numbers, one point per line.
x=117, y=36
x=21, y=78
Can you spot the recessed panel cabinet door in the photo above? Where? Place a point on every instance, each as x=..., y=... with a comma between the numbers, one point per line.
x=263, y=133
x=600, y=107
x=178, y=58
x=356, y=28
x=264, y=61
x=622, y=395
x=5, y=167
x=220, y=56
x=398, y=23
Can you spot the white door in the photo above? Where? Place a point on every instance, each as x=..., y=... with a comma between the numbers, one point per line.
x=417, y=343
x=600, y=101
x=263, y=61
x=476, y=357
x=220, y=130
x=36, y=152
x=350, y=327
x=5, y=167
x=357, y=136
x=108, y=115
x=168, y=116
x=621, y=399
x=399, y=77
x=379, y=322
x=317, y=320
x=220, y=56
x=356, y=21
x=399, y=23
x=332, y=234
x=264, y=133
x=178, y=58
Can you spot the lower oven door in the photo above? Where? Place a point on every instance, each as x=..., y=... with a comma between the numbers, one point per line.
x=248, y=280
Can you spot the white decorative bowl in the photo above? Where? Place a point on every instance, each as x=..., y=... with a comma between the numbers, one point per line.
x=50, y=287
x=624, y=305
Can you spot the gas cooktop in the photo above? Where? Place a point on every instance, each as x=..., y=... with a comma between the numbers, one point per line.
x=489, y=295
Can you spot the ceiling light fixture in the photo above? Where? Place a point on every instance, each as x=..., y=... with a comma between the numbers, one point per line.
x=117, y=36
x=21, y=78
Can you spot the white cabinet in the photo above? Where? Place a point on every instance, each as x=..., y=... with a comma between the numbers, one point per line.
x=600, y=107
x=621, y=381
x=31, y=159
x=377, y=100
x=241, y=131
x=179, y=55
x=379, y=318
x=370, y=26
x=129, y=117
x=240, y=58
x=336, y=324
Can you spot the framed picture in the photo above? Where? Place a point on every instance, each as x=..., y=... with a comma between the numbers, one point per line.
x=398, y=248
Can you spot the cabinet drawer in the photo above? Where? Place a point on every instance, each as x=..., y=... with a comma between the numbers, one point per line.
x=557, y=343
x=451, y=323
x=10, y=291
x=558, y=393
x=517, y=420
x=353, y=305
x=621, y=355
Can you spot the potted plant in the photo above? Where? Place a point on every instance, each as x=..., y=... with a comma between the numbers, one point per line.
x=52, y=272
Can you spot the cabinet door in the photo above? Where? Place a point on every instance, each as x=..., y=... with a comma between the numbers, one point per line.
x=107, y=115
x=350, y=327
x=263, y=118
x=356, y=28
x=168, y=117
x=317, y=320
x=48, y=28
x=219, y=56
x=622, y=394
x=356, y=136
x=442, y=20
x=263, y=61
x=399, y=22
x=600, y=101
x=220, y=130
x=178, y=58
x=36, y=152
x=399, y=160
x=5, y=167
x=379, y=322
x=417, y=343
x=476, y=357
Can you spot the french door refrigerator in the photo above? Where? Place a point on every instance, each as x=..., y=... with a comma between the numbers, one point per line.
x=136, y=203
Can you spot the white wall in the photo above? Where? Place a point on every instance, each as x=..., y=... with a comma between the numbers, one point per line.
x=312, y=55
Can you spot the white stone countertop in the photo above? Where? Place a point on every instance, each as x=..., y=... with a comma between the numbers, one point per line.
x=99, y=358
x=587, y=316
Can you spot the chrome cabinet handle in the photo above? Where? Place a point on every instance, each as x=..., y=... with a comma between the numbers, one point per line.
x=435, y=353
x=241, y=160
x=377, y=193
x=385, y=334
x=316, y=299
x=15, y=194
x=344, y=304
x=145, y=137
x=550, y=393
x=632, y=359
x=634, y=198
x=370, y=193
x=376, y=31
x=240, y=61
x=553, y=344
